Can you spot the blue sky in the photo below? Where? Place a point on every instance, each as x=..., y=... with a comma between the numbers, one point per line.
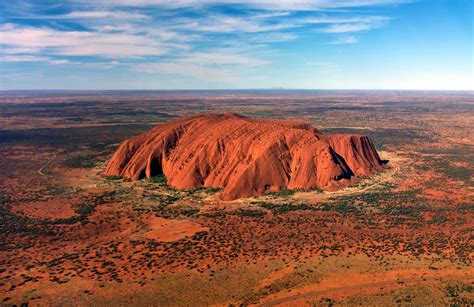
x=217, y=44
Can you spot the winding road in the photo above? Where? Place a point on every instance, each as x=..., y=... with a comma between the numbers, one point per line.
x=41, y=169
x=357, y=287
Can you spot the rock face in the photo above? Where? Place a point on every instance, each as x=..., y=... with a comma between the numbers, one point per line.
x=244, y=157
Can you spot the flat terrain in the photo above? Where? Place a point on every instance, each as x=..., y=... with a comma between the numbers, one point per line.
x=71, y=235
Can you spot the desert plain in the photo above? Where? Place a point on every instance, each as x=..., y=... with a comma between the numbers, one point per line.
x=72, y=235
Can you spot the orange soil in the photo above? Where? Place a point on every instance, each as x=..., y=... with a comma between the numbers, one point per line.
x=171, y=230
x=350, y=280
x=51, y=209
x=276, y=275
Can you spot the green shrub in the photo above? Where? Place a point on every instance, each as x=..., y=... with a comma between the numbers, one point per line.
x=160, y=179
x=250, y=213
x=81, y=161
x=85, y=210
x=4, y=199
x=437, y=220
x=281, y=193
x=199, y=235
x=285, y=207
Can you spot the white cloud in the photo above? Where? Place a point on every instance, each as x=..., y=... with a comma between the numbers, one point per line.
x=124, y=15
x=32, y=58
x=260, y=4
x=102, y=65
x=370, y=19
x=102, y=14
x=260, y=24
x=8, y=49
x=60, y=62
x=77, y=43
x=344, y=40
x=219, y=57
x=350, y=27
x=192, y=70
x=22, y=58
x=221, y=65
x=226, y=24
x=203, y=45
x=272, y=37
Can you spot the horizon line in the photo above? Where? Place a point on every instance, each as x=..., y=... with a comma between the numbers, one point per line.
x=238, y=89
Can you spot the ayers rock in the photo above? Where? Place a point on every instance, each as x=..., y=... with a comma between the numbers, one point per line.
x=244, y=157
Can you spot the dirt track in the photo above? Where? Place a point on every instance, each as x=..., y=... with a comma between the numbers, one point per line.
x=41, y=169
x=357, y=287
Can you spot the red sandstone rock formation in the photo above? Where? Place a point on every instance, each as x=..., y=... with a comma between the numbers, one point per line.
x=244, y=157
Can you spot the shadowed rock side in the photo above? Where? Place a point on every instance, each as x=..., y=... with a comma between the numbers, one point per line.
x=244, y=157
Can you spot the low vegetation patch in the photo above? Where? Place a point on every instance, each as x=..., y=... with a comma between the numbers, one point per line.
x=281, y=193
x=82, y=161
x=159, y=179
x=251, y=213
x=284, y=207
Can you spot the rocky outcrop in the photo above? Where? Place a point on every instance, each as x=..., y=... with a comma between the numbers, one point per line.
x=244, y=157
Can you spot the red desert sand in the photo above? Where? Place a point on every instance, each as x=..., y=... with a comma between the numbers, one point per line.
x=244, y=157
x=171, y=230
x=49, y=210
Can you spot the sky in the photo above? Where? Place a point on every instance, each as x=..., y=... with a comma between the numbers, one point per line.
x=236, y=44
